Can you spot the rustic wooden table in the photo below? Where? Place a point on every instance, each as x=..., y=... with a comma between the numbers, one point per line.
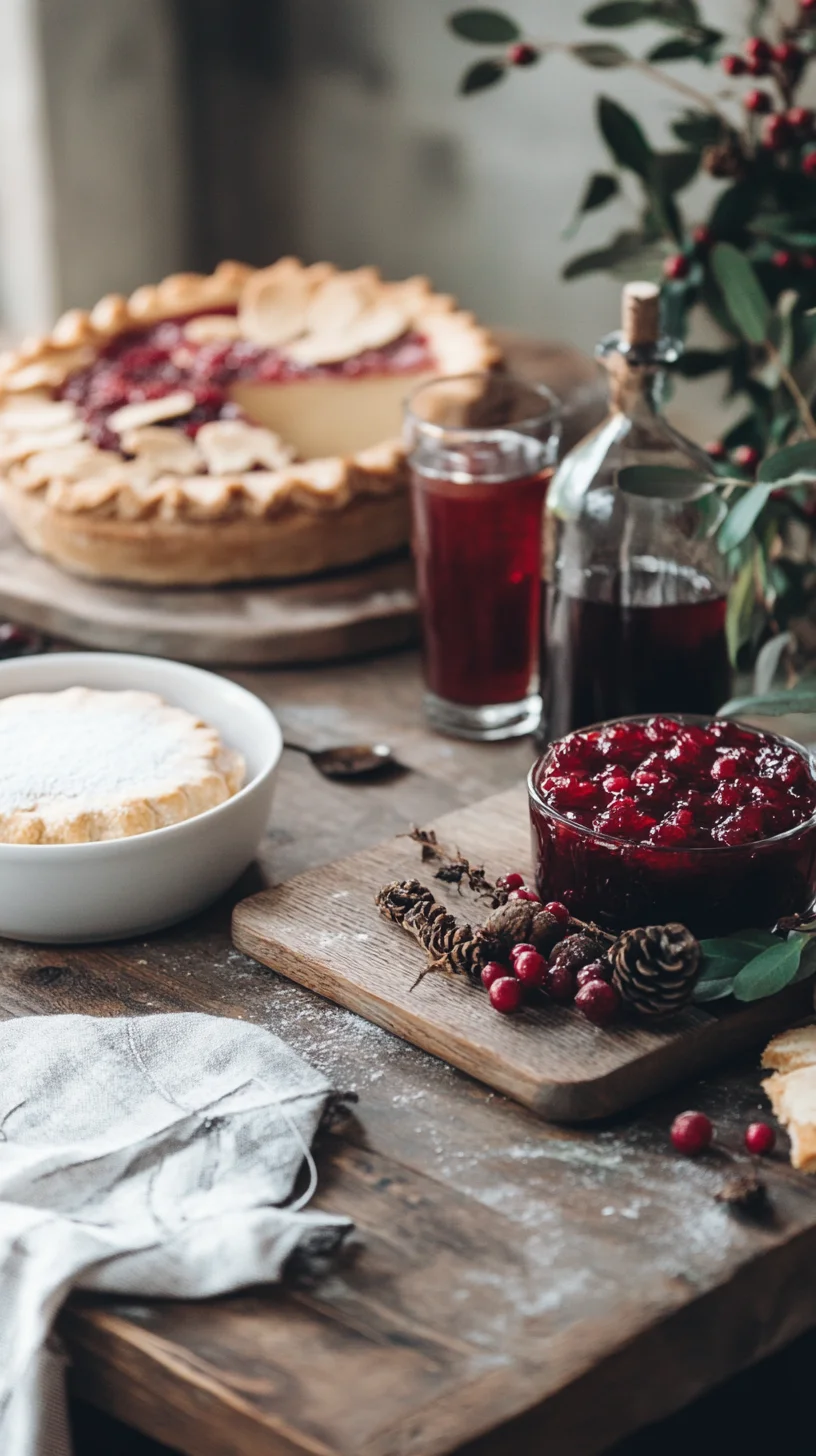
x=515, y=1286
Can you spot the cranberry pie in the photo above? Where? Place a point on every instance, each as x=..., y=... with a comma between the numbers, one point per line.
x=84, y=764
x=224, y=428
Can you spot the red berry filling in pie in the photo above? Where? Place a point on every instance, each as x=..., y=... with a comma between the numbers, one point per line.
x=150, y=363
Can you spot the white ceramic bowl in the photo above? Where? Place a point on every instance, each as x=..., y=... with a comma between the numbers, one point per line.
x=120, y=887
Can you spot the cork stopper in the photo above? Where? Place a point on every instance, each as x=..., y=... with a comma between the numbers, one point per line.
x=640, y=319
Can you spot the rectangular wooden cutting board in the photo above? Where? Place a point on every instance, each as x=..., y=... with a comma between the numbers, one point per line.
x=322, y=930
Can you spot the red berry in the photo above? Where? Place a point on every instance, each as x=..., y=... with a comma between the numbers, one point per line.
x=524, y=895
x=807, y=5
x=530, y=967
x=800, y=118
x=558, y=911
x=787, y=55
x=757, y=101
x=734, y=65
x=617, y=783
x=513, y=881
x=809, y=164
x=676, y=266
x=595, y=971
x=492, y=972
x=757, y=48
x=777, y=133
x=668, y=836
x=782, y=258
x=741, y=827
x=760, y=1138
x=747, y=456
x=505, y=994
x=716, y=450
x=702, y=237
x=519, y=950
x=560, y=983
x=691, y=1133
x=599, y=1002
x=523, y=54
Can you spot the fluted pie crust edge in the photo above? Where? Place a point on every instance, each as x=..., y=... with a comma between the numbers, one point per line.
x=120, y=522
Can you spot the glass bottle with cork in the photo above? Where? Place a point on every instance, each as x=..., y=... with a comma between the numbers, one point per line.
x=636, y=595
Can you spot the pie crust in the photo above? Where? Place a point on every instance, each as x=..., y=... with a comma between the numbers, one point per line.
x=158, y=502
x=84, y=764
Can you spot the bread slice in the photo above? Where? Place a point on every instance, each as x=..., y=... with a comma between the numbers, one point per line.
x=791, y=1050
x=793, y=1098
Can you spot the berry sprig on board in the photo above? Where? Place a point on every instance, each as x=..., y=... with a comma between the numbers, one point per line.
x=750, y=264
x=526, y=951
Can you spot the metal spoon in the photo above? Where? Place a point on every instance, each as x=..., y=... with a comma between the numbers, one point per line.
x=349, y=760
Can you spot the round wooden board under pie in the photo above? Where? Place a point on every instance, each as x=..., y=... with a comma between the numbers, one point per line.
x=365, y=608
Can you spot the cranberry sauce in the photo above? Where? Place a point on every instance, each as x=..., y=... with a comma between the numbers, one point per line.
x=150, y=363
x=605, y=660
x=477, y=548
x=645, y=821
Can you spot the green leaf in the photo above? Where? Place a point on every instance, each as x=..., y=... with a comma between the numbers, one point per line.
x=734, y=209
x=480, y=76
x=772, y=705
x=740, y=519
x=624, y=138
x=674, y=50
x=602, y=57
x=697, y=129
x=713, y=990
x=599, y=189
x=790, y=461
x=624, y=248
x=661, y=482
x=770, y=971
x=740, y=609
x=672, y=171
x=485, y=27
x=742, y=291
x=619, y=12
x=695, y=363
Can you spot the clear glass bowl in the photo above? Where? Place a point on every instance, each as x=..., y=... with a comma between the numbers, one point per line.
x=714, y=890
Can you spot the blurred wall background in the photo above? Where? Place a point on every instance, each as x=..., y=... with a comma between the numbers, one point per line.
x=138, y=137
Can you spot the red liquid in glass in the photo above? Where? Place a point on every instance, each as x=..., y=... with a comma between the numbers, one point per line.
x=477, y=548
x=605, y=660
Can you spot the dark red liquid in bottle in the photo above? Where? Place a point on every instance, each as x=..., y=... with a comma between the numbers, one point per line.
x=605, y=660
x=477, y=548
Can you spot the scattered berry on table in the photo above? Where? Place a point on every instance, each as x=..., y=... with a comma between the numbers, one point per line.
x=595, y=971
x=558, y=911
x=760, y=1138
x=523, y=895
x=691, y=1133
x=492, y=972
x=506, y=994
x=599, y=1002
x=530, y=967
x=523, y=945
x=511, y=881
x=560, y=983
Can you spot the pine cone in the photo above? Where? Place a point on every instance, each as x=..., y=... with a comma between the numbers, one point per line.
x=518, y=921
x=655, y=968
x=449, y=945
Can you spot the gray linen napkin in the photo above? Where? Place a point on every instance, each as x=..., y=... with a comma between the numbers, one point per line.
x=140, y=1155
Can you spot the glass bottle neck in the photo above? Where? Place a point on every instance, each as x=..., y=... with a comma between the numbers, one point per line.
x=635, y=390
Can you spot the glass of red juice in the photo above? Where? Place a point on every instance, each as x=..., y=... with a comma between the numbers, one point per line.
x=482, y=451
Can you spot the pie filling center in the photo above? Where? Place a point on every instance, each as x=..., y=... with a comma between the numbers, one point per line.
x=318, y=410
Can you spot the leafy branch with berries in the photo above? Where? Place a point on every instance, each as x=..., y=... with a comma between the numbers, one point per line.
x=750, y=265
